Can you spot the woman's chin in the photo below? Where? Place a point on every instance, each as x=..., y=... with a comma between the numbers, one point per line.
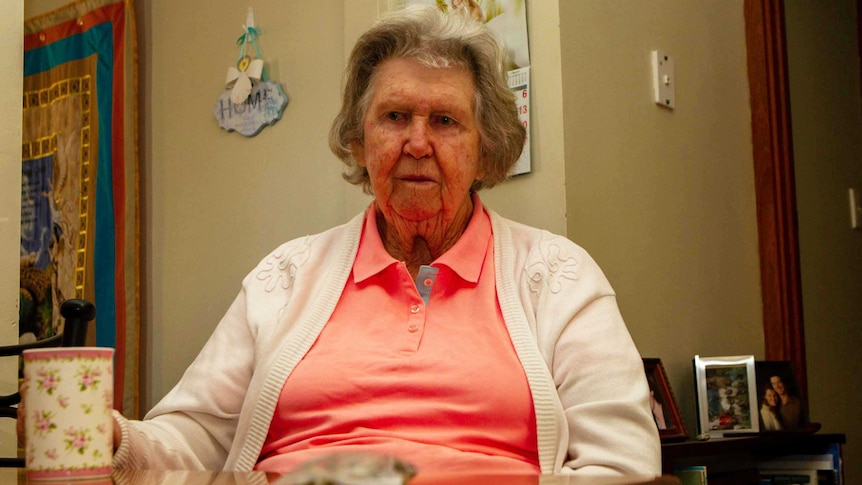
x=415, y=214
x=416, y=209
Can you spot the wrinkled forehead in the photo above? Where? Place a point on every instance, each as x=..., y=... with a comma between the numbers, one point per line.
x=392, y=70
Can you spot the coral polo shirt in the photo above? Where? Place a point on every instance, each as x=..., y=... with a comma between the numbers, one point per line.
x=424, y=370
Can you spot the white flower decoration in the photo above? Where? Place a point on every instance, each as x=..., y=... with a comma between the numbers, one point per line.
x=239, y=78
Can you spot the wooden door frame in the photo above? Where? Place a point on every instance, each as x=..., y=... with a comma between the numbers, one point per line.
x=775, y=188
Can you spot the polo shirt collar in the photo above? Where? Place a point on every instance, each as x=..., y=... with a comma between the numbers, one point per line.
x=465, y=258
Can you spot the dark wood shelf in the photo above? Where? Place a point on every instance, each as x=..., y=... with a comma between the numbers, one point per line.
x=735, y=459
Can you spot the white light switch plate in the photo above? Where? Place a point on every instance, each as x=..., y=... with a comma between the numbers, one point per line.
x=664, y=82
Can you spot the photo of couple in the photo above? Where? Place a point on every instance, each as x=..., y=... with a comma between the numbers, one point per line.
x=779, y=400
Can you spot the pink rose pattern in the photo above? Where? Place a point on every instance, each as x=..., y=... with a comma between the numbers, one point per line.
x=77, y=440
x=47, y=380
x=88, y=377
x=43, y=422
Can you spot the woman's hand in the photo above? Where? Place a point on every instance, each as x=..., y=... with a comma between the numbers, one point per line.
x=22, y=414
x=118, y=434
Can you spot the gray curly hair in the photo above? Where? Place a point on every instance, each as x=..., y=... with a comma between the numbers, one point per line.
x=440, y=40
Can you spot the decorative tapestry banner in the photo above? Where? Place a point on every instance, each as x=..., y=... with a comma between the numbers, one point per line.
x=79, y=192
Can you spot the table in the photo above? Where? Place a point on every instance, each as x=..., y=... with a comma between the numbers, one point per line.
x=180, y=477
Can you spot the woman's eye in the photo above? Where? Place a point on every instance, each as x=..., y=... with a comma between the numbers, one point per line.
x=394, y=116
x=445, y=120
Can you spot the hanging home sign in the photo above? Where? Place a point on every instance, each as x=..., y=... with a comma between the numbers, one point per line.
x=262, y=106
x=250, y=101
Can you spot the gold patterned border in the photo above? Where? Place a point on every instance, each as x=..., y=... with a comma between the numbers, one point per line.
x=41, y=147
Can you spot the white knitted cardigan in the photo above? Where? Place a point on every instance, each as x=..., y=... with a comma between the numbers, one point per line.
x=584, y=372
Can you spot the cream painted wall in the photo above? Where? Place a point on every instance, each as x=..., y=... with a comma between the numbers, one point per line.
x=823, y=57
x=12, y=56
x=664, y=200
x=215, y=202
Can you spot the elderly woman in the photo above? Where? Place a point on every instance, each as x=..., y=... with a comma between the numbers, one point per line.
x=427, y=327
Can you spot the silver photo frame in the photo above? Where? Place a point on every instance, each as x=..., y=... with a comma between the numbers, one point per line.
x=726, y=395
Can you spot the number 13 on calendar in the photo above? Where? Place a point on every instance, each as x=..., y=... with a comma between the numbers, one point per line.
x=519, y=83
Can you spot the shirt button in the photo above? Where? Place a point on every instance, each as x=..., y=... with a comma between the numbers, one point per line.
x=414, y=308
x=428, y=282
x=413, y=328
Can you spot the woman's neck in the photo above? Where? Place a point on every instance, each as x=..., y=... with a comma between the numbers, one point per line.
x=419, y=243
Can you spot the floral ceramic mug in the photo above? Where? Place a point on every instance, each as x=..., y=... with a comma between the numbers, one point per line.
x=69, y=400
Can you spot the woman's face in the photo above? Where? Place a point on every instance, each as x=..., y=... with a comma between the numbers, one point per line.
x=771, y=398
x=421, y=142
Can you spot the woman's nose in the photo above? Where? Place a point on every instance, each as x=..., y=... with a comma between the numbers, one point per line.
x=418, y=144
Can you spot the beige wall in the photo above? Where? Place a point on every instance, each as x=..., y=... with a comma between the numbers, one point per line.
x=217, y=202
x=12, y=38
x=823, y=57
x=664, y=200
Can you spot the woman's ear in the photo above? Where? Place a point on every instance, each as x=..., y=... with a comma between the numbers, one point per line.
x=358, y=151
x=483, y=170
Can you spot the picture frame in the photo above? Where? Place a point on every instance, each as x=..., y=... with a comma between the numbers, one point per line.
x=726, y=392
x=780, y=404
x=663, y=402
